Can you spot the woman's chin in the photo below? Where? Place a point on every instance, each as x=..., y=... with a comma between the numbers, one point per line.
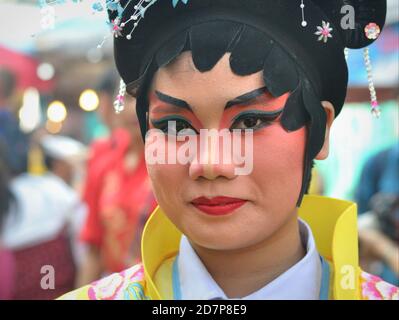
x=219, y=238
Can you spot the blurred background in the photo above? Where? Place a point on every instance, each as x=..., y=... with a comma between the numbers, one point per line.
x=65, y=157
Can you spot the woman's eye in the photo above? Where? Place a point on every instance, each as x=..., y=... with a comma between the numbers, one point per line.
x=255, y=119
x=174, y=127
x=183, y=128
x=251, y=122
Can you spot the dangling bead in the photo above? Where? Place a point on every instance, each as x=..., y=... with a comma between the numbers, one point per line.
x=375, y=108
x=346, y=53
x=304, y=22
x=119, y=105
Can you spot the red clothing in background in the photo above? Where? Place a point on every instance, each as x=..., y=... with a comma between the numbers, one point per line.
x=7, y=274
x=119, y=201
x=22, y=276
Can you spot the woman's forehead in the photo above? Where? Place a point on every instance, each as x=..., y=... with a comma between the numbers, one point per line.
x=183, y=63
x=181, y=79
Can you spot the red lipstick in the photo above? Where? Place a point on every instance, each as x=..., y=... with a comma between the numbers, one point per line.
x=218, y=206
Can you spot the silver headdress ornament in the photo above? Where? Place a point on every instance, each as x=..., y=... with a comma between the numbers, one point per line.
x=119, y=105
x=117, y=27
x=372, y=32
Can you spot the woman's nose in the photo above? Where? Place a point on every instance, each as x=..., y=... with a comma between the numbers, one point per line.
x=214, y=159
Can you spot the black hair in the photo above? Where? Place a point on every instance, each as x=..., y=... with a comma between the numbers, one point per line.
x=309, y=181
x=251, y=51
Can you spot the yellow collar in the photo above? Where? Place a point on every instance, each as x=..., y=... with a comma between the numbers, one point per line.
x=334, y=226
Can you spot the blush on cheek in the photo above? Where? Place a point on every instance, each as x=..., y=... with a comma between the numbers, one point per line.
x=278, y=162
x=279, y=145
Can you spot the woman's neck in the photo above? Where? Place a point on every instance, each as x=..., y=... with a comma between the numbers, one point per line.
x=244, y=271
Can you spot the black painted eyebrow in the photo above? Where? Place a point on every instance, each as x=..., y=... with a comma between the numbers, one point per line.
x=243, y=99
x=246, y=98
x=174, y=101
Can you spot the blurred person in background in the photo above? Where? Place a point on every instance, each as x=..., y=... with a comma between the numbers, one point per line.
x=117, y=190
x=12, y=138
x=35, y=213
x=64, y=157
x=380, y=174
x=379, y=238
x=38, y=228
x=378, y=192
x=13, y=160
x=7, y=263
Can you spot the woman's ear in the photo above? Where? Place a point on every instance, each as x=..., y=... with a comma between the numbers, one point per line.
x=330, y=112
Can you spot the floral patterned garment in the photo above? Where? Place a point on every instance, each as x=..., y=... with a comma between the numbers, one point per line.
x=127, y=285
x=373, y=288
x=130, y=285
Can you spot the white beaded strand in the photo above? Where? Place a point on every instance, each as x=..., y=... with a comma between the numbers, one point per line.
x=304, y=22
x=375, y=109
x=138, y=14
x=118, y=26
x=346, y=53
x=119, y=105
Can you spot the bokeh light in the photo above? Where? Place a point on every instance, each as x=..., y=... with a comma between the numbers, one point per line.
x=89, y=100
x=56, y=111
x=45, y=71
x=29, y=114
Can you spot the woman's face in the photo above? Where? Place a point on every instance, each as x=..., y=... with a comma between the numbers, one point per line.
x=209, y=202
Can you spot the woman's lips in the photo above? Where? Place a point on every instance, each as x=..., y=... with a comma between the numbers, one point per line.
x=218, y=206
